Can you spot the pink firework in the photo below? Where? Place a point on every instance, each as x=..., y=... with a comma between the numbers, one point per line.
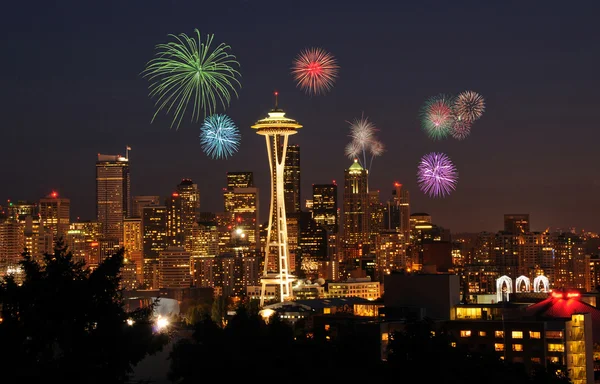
x=315, y=70
x=460, y=129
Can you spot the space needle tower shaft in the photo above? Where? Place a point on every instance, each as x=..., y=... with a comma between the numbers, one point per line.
x=276, y=128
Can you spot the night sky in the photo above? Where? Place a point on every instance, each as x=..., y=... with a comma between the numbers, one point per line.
x=71, y=88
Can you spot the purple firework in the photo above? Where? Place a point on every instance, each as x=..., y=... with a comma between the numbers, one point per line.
x=437, y=175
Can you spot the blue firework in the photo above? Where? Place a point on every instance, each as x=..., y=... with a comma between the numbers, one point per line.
x=219, y=136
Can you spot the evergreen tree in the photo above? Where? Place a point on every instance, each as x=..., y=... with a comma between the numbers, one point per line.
x=68, y=324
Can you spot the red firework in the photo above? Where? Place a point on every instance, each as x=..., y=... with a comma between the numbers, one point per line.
x=460, y=129
x=315, y=70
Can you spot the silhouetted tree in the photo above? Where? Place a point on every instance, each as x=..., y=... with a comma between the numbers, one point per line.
x=68, y=324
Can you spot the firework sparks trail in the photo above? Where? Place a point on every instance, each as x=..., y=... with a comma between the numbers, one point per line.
x=362, y=133
x=460, y=129
x=219, y=136
x=469, y=106
x=437, y=176
x=315, y=70
x=188, y=71
x=436, y=116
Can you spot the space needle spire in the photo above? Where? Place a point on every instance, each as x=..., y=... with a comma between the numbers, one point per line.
x=276, y=128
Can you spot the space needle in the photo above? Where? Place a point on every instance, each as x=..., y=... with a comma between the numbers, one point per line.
x=276, y=128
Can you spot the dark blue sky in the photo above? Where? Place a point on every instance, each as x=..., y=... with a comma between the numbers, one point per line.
x=71, y=88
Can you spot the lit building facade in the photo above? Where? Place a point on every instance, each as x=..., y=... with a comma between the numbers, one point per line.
x=390, y=253
x=134, y=244
x=325, y=206
x=397, y=211
x=174, y=268
x=291, y=179
x=112, y=194
x=571, y=263
x=155, y=239
x=190, y=203
x=355, y=210
x=363, y=288
x=55, y=214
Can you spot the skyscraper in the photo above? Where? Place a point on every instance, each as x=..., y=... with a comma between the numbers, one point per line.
x=241, y=199
x=397, y=211
x=190, y=203
x=112, y=194
x=175, y=235
x=155, y=239
x=325, y=206
x=291, y=179
x=276, y=128
x=55, y=214
x=356, y=209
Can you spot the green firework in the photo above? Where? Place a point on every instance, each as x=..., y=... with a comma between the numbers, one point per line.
x=187, y=71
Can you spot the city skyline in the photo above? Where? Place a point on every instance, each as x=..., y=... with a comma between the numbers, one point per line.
x=532, y=64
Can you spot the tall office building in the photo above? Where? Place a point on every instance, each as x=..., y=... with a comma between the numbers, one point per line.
x=397, y=211
x=291, y=179
x=516, y=223
x=190, y=203
x=12, y=240
x=241, y=200
x=356, y=210
x=325, y=206
x=139, y=202
x=571, y=263
x=155, y=239
x=55, y=214
x=175, y=233
x=376, y=213
x=112, y=194
x=133, y=244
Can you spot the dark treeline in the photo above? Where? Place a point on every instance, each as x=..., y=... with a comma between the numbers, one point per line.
x=67, y=324
x=248, y=347
x=61, y=322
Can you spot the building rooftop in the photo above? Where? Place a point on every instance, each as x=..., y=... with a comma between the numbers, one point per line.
x=563, y=304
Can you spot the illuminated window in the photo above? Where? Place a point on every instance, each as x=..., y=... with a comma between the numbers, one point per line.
x=499, y=333
x=453, y=344
x=385, y=336
x=517, y=334
x=482, y=333
x=327, y=327
x=536, y=360
x=535, y=335
x=517, y=347
x=465, y=333
x=556, y=347
x=499, y=347
x=554, y=334
x=554, y=359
